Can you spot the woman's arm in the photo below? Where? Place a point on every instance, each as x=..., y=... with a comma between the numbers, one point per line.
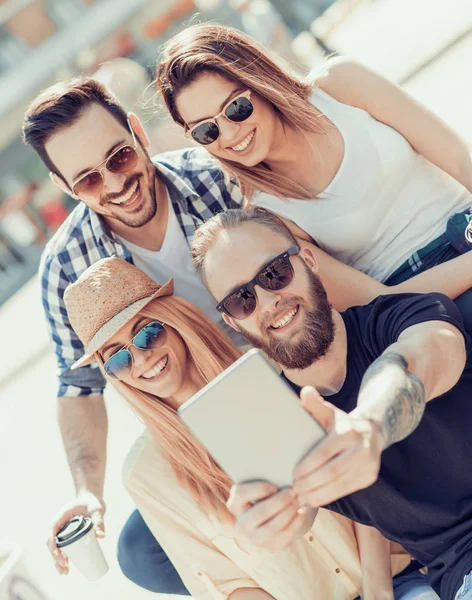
x=347, y=287
x=354, y=84
x=374, y=551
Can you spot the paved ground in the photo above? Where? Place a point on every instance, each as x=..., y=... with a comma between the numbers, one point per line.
x=35, y=480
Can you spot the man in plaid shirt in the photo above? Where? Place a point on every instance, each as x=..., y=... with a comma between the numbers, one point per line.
x=145, y=211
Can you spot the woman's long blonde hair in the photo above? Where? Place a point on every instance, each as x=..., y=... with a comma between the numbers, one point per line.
x=231, y=54
x=211, y=352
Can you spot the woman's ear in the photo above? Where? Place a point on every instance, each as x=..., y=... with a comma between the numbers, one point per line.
x=307, y=254
x=138, y=129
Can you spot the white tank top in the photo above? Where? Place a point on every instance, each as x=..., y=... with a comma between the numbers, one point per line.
x=385, y=202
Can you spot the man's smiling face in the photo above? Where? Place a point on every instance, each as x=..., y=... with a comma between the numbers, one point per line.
x=294, y=325
x=125, y=197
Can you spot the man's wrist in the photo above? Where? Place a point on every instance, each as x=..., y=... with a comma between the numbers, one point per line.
x=368, y=427
x=83, y=492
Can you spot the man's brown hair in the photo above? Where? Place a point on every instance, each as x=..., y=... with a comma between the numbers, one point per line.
x=61, y=105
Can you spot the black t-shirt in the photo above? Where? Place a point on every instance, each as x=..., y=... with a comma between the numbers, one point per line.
x=423, y=496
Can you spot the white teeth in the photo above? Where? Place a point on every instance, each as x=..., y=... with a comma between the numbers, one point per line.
x=285, y=319
x=124, y=199
x=161, y=365
x=244, y=144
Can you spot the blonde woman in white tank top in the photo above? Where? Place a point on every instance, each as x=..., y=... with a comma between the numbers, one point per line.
x=350, y=160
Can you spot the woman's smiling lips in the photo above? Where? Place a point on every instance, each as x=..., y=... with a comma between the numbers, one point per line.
x=157, y=369
x=244, y=146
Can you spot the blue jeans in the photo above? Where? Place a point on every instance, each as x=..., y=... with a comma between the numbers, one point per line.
x=413, y=586
x=465, y=591
x=143, y=560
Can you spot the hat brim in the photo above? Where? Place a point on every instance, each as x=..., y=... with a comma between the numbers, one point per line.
x=112, y=326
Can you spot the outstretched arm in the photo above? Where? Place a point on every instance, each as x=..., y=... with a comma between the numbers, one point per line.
x=425, y=362
x=348, y=287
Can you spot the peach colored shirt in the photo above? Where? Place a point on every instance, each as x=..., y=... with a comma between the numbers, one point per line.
x=213, y=562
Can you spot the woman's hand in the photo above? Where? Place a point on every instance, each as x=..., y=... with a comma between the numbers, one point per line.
x=269, y=518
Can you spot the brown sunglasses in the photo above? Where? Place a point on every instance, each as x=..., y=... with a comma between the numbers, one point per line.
x=123, y=160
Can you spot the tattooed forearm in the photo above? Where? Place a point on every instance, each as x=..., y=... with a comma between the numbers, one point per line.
x=392, y=397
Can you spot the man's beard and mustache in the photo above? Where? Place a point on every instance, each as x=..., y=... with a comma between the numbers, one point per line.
x=145, y=213
x=317, y=331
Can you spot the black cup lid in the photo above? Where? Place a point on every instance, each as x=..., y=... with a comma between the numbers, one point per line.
x=73, y=531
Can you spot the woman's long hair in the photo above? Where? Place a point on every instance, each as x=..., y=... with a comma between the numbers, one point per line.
x=211, y=352
x=231, y=54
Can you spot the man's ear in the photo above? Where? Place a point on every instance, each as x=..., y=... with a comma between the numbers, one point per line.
x=230, y=321
x=138, y=129
x=307, y=254
x=60, y=183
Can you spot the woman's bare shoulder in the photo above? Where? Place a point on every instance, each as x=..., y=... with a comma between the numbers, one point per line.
x=340, y=77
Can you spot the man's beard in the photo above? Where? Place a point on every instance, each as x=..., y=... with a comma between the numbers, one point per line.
x=317, y=332
x=148, y=211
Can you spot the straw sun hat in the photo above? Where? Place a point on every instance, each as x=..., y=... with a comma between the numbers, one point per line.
x=104, y=298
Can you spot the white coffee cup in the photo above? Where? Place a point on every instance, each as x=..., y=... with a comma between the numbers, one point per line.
x=78, y=541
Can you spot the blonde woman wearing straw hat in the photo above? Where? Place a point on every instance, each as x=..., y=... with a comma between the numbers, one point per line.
x=158, y=350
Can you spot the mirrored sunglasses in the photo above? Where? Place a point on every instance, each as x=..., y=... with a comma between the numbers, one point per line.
x=274, y=276
x=120, y=364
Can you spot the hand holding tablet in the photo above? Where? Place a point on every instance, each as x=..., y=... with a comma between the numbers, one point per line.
x=252, y=422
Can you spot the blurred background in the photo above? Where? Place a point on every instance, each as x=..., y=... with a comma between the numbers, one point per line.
x=426, y=45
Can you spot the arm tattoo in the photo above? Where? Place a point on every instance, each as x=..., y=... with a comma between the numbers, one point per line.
x=392, y=397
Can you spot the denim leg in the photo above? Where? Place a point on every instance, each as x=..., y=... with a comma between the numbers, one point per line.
x=144, y=562
x=413, y=586
x=465, y=591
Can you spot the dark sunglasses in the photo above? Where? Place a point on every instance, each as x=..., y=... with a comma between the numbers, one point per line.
x=120, y=364
x=274, y=276
x=237, y=110
x=122, y=160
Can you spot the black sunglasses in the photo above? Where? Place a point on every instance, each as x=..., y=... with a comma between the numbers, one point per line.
x=274, y=276
x=237, y=110
x=120, y=364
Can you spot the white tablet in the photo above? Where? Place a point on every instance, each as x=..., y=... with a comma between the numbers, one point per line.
x=252, y=423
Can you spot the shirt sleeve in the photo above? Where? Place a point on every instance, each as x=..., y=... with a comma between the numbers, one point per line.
x=203, y=168
x=390, y=315
x=88, y=380
x=171, y=514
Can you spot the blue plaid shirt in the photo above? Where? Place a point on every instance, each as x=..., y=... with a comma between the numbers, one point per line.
x=197, y=190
